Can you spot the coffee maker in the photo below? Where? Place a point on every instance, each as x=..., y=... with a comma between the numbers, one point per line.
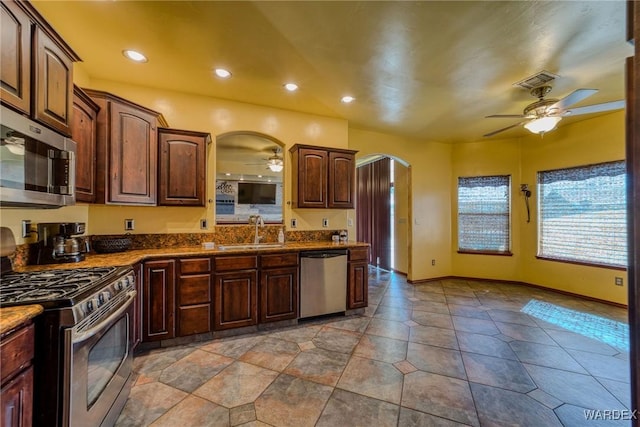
x=57, y=244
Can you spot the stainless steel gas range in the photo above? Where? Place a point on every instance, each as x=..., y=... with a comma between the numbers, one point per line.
x=83, y=366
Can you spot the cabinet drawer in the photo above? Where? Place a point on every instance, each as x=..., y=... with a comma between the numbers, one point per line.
x=359, y=254
x=194, y=289
x=236, y=263
x=195, y=265
x=279, y=260
x=195, y=319
x=17, y=351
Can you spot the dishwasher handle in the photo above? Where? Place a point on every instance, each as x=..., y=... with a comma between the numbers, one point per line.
x=323, y=254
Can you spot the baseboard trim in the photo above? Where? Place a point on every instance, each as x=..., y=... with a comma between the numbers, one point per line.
x=514, y=282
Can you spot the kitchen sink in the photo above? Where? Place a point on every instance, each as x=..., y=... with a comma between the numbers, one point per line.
x=250, y=246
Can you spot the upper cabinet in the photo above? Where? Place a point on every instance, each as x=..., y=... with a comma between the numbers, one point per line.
x=323, y=177
x=84, y=127
x=127, y=151
x=182, y=167
x=32, y=53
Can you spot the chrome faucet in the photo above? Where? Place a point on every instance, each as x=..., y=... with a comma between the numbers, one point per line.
x=257, y=219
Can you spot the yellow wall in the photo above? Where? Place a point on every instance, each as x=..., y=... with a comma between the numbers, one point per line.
x=596, y=140
x=485, y=158
x=430, y=197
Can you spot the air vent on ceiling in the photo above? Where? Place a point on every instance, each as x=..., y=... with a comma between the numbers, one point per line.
x=538, y=79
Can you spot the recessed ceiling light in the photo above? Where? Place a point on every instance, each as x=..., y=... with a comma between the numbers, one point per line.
x=291, y=87
x=347, y=99
x=227, y=174
x=134, y=55
x=222, y=73
x=259, y=176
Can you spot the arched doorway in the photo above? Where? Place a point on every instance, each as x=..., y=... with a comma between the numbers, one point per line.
x=383, y=214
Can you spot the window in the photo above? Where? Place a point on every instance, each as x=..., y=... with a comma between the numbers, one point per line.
x=582, y=214
x=483, y=214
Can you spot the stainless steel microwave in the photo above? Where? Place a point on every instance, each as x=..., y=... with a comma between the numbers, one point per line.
x=37, y=165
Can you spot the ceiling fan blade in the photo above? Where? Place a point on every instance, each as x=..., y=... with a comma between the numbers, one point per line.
x=505, y=116
x=573, y=98
x=503, y=129
x=596, y=108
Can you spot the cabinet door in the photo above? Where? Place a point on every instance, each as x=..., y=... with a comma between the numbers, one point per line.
x=15, y=63
x=342, y=170
x=278, y=294
x=235, y=299
x=357, y=288
x=158, y=300
x=133, y=156
x=312, y=178
x=16, y=402
x=83, y=131
x=182, y=173
x=53, y=84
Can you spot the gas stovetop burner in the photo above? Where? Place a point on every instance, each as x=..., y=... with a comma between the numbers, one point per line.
x=53, y=287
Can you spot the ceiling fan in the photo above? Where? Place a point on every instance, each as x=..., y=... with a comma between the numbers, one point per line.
x=544, y=114
x=275, y=162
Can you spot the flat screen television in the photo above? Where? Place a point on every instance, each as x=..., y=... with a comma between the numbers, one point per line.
x=254, y=193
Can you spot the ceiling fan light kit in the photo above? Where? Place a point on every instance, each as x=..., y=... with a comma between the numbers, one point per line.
x=275, y=166
x=543, y=124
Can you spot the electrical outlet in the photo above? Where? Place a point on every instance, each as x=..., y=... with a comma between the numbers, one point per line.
x=203, y=224
x=350, y=222
x=433, y=262
x=294, y=223
x=26, y=228
x=325, y=222
x=129, y=224
x=619, y=281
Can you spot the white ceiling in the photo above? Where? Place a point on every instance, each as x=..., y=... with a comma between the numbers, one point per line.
x=425, y=69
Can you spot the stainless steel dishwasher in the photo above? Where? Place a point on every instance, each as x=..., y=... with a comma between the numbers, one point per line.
x=323, y=282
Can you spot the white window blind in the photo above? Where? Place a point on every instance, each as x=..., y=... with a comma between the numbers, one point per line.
x=583, y=216
x=483, y=214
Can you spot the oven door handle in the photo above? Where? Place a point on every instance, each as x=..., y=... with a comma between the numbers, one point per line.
x=80, y=337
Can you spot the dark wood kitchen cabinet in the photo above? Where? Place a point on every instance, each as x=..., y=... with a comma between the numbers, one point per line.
x=358, y=281
x=182, y=167
x=278, y=287
x=194, y=311
x=158, y=298
x=36, y=67
x=323, y=177
x=16, y=375
x=235, y=292
x=126, y=151
x=84, y=126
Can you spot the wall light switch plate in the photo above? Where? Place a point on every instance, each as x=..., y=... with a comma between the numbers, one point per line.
x=26, y=228
x=294, y=223
x=129, y=224
x=203, y=224
x=350, y=222
x=325, y=222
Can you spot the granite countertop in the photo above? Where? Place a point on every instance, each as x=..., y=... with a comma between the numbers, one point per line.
x=12, y=317
x=133, y=256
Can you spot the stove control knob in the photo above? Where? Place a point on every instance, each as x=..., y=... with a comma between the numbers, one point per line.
x=119, y=285
x=104, y=297
x=88, y=306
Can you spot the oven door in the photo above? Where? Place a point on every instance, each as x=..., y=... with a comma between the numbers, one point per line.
x=98, y=365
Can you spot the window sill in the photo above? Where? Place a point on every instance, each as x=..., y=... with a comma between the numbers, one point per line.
x=469, y=252
x=584, y=263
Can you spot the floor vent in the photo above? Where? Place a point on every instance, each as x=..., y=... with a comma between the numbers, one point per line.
x=538, y=79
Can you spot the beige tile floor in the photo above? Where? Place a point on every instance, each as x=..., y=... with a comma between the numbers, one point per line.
x=446, y=353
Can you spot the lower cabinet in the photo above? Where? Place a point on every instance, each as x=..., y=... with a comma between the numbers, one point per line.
x=358, y=281
x=158, y=296
x=235, y=292
x=193, y=297
x=16, y=374
x=278, y=287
